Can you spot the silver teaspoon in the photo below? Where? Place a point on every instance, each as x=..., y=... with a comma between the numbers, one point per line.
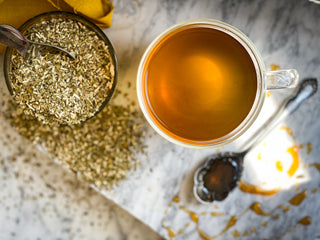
x=221, y=173
x=12, y=37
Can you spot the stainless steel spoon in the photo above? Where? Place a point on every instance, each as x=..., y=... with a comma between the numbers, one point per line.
x=221, y=173
x=11, y=37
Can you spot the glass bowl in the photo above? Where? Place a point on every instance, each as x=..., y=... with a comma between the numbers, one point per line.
x=64, y=15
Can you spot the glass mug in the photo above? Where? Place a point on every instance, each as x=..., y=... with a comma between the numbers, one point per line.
x=202, y=83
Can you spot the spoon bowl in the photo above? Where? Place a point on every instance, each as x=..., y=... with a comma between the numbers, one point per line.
x=218, y=176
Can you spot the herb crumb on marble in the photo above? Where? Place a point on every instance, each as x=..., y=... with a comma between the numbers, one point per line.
x=101, y=150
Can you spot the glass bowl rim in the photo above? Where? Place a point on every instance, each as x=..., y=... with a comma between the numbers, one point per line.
x=68, y=15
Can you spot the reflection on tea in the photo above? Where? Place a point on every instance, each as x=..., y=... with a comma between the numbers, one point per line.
x=200, y=84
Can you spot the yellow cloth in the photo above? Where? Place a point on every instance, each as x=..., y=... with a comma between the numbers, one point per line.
x=16, y=12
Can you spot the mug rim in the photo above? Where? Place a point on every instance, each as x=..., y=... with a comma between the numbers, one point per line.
x=255, y=108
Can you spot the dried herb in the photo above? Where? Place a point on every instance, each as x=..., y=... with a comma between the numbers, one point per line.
x=101, y=150
x=54, y=88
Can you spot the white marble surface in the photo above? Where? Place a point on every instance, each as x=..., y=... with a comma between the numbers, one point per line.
x=287, y=34
x=40, y=200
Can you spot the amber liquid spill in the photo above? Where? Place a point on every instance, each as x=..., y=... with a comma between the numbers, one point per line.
x=316, y=165
x=298, y=199
x=288, y=130
x=279, y=166
x=217, y=214
x=268, y=94
x=274, y=67
x=171, y=233
x=200, y=84
x=253, y=189
x=305, y=221
x=236, y=233
x=294, y=151
x=259, y=156
x=286, y=209
x=194, y=217
x=233, y=219
x=309, y=148
x=256, y=207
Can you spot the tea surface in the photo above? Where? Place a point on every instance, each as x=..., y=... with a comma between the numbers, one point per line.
x=200, y=84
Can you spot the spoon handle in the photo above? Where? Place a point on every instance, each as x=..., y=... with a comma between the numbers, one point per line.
x=306, y=89
x=11, y=37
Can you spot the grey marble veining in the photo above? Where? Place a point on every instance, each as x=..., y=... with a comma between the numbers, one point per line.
x=41, y=200
x=287, y=34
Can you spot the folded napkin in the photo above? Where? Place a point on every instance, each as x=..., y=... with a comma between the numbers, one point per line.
x=16, y=12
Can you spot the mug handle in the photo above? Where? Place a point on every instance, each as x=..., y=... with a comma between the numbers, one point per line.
x=287, y=78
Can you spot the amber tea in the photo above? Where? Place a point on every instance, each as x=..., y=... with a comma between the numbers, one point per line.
x=200, y=84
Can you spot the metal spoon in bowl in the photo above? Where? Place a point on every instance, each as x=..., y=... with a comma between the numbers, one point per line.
x=221, y=173
x=11, y=37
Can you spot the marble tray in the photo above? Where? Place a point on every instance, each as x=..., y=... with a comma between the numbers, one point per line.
x=159, y=192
